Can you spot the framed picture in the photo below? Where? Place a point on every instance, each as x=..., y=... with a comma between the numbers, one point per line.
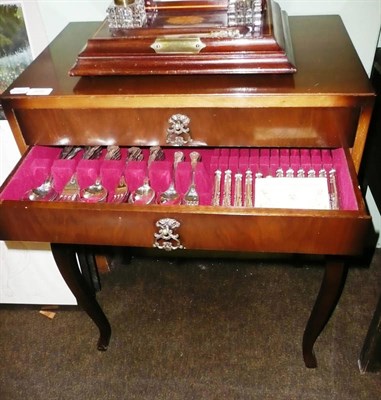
x=22, y=37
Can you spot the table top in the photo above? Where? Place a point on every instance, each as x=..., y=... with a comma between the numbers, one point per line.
x=327, y=64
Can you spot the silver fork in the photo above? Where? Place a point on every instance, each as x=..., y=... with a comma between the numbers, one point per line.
x=71, y=190
x=121, y=191
x=191, y=197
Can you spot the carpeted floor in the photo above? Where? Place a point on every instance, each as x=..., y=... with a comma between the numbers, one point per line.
x=195, y=329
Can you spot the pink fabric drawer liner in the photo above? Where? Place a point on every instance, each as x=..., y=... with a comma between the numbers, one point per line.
x=41, y=161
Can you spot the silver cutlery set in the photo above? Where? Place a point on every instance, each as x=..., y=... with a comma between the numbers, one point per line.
x=238, y=189
x=97, y=192
x=229, y=188
x=46, y=191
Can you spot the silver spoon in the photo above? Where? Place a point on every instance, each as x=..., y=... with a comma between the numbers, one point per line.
x=95, y=193
x=171, y=196
x=145, y=194
x=44, y=192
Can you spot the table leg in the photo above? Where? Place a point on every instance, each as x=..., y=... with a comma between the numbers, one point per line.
x=87, y=262
x=329, y=294
x=370, y=356
x=66, y=260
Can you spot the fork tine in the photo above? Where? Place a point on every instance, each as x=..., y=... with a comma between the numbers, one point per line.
x=121, y=191
x=71, y=190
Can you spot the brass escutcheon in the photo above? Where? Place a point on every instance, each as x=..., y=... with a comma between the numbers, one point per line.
x=167, y=239
x=178, y=131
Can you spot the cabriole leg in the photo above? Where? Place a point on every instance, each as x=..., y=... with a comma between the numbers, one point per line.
x=66, y=260
x=329, y=294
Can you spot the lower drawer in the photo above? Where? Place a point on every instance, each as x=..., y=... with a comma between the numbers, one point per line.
x=209, y=226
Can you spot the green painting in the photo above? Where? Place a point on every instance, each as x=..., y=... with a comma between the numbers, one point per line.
x=15, y=53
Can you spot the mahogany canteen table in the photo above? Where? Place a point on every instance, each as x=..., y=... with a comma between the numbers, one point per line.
x=324, y=107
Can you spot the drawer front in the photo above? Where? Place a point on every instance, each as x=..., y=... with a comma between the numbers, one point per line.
x=203, y=227
x=129, y=225
x=287, y=127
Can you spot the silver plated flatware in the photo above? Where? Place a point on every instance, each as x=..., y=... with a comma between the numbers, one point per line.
x=95, y=193
x=191, y=197
x=70, y=192
x=227, y=191
x=171, y=195
x=44, y=192
x=145, y=194
x=216, y=198
x=237, y=201
x=248, y=193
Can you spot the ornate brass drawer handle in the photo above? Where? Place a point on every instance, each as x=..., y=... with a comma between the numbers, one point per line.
x=166, y=239
x=178, y=132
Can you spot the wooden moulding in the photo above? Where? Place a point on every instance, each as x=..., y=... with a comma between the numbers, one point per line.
x=190, y=40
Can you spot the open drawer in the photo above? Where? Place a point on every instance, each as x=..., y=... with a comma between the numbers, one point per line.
x=236, y=225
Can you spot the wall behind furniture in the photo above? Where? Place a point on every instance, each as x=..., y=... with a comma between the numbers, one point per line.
x=28, y=273
x=362, y=19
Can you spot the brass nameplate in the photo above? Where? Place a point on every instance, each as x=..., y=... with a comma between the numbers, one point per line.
x=177, y=45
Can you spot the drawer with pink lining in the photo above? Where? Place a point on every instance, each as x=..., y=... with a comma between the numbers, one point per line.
x=220, y=177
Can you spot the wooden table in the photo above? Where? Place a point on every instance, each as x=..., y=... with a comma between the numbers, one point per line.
x=326, y=104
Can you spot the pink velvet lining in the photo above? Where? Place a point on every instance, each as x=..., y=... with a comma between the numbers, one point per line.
x=42, y=161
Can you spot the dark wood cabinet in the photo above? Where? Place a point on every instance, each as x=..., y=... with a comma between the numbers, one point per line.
x=325, y=107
